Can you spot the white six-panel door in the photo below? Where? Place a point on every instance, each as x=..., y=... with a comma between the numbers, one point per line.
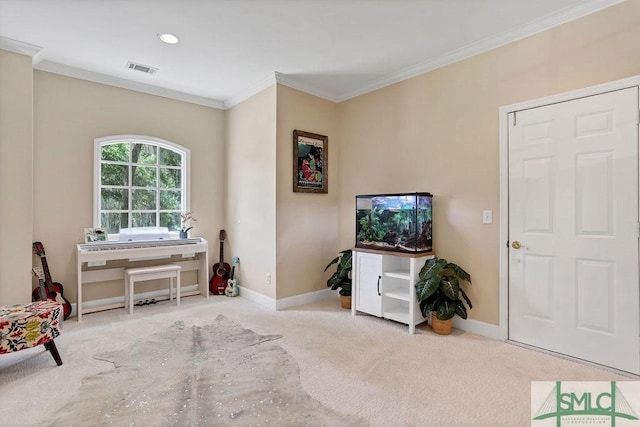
x=573, y=213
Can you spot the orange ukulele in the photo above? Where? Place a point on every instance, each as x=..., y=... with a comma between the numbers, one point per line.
x=218, y=282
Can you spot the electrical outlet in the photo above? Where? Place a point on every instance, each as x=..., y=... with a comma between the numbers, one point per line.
x=267, y=278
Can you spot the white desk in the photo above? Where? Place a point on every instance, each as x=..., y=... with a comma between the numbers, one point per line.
x=109, y=251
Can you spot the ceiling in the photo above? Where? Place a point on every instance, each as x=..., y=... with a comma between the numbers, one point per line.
x=231, y=49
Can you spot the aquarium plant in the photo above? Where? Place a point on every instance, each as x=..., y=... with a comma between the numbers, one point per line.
x=371, y=226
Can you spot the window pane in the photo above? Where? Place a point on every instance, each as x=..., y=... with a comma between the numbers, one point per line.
x=114, y=199
x=169, y=200
x=143, y=200
x=147, y=219
x=170, y=178
x=115, y=174
x=116, y=152
x=144, y=176
x=170, y=158
x=171, y=220
x=144, y=154
x=140, y=184
x=113, y=222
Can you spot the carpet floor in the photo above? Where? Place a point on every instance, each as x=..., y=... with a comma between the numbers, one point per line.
x=228, y=361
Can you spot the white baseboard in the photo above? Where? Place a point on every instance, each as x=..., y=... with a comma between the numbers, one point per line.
x=307, y=298
x=284, y=303
x=120, y=299
x=257, y=297
x=476, y=327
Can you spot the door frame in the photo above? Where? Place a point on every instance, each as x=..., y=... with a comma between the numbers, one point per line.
x=504, y=112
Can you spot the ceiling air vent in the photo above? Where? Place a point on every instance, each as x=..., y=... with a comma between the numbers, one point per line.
x=140, y=67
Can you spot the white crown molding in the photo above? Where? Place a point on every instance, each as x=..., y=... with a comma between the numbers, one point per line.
x=297, y=84
x=534, y=27
x=537, y=26
x=278, y=78
x=65, y=70
x=249, y=92
x=22, y=48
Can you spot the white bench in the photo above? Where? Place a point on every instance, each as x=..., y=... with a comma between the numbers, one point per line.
x=139, y=274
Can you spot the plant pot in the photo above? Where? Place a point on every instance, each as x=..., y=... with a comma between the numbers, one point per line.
x=345, y=301
x=442, y=327
x=184, y=234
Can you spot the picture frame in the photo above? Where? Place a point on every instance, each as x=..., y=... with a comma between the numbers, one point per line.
x=95, y=235
x=310, y=162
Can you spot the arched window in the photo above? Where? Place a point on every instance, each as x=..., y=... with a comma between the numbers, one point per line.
x=139, y=181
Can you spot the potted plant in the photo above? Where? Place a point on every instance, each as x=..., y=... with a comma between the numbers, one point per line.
x=185, y=223
x=341, y=278
x=439, y=293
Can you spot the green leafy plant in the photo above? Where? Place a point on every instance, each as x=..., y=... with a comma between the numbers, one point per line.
x=341, y=278
x=438, y=289
x=371, y=227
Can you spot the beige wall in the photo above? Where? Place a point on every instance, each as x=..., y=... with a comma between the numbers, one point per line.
x=438, y=132
x=251, y=190
x=307, y=223
x=16, y=177
x=69, y=113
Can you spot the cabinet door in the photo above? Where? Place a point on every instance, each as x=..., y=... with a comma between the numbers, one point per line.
x=369, y=277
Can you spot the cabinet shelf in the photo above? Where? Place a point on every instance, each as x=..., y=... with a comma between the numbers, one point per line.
x=399, y=293
x=398, y=274
x=401, y=316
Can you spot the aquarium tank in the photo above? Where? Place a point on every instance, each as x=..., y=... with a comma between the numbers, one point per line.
x=394, y=222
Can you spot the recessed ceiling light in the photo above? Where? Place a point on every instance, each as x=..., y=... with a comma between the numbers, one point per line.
x=168, y=38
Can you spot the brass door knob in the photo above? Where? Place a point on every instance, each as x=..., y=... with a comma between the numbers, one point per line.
x=516, y=245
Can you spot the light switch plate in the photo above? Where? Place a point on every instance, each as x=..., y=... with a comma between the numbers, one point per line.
x=487, y=217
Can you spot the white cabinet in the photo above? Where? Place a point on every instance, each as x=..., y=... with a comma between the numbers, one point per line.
x=384, y=285
x=367, y=272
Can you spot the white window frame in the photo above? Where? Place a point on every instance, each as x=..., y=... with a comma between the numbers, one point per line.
x=98, y=143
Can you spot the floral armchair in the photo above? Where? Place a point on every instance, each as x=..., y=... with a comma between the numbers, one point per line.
x=29, y=325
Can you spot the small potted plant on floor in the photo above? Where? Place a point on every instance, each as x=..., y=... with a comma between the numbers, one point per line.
x=439, y=293
x=341, y=278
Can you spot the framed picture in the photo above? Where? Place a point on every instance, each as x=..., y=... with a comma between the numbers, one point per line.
x=95, y=235
x=310, y=154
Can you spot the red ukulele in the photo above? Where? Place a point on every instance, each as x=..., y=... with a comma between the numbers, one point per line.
x=218, y=282
x=53, y=290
